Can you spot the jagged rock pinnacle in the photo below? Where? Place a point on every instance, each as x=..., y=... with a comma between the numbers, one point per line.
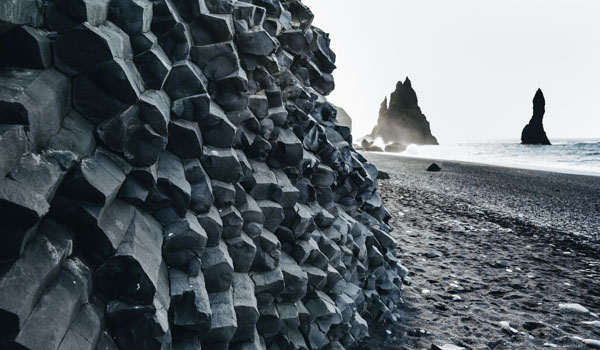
x=401, y=120
x=384, y=106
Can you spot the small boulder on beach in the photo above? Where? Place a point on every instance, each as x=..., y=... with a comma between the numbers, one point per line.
x=369, y=146
x=434, y=167
x=382, y=175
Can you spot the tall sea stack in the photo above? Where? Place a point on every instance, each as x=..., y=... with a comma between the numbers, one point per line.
x=402, y=122
x=533, y=133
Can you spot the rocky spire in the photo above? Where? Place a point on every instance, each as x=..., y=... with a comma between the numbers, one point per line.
x=404, y=97
x=401, y=121
x=533, y=133
x=539, y=107
x=384, y=106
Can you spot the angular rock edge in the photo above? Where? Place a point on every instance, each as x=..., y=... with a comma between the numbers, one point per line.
x=173, y=177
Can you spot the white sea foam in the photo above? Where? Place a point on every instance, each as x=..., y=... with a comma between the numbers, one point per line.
x=574, y=156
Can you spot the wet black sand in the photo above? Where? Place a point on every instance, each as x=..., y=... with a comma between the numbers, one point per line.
x=569, y=203
x=505, y=245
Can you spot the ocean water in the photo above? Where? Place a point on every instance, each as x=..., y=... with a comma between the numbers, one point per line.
x=573, y=156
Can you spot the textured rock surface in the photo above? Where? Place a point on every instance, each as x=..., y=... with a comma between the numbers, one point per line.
x=343, y=118
x=533, y=133
x=401, y=121
x=173, y=177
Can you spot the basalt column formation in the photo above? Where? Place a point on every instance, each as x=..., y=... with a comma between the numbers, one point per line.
x=173, y=177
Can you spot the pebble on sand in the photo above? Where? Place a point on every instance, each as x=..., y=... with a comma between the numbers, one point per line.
x=501, y=264
x=592, y=323
x=505, y=325
x=573, y=307
x=433, y=254
x=446, y=347
x=592, y=343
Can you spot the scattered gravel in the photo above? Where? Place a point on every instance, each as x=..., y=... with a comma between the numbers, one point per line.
x=505, y=270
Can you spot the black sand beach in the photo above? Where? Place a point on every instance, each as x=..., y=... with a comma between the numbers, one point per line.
x=493, y=252
x=564, y=202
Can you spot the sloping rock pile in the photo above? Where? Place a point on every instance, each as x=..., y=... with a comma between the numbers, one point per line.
x=173, y=177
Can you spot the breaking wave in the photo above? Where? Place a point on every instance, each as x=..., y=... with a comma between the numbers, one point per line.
x=573, y=156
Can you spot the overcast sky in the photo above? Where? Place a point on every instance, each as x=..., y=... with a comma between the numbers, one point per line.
x=475, y=64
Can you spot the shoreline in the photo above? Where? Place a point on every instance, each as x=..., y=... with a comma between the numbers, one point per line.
x=565, y=171
x=484, y=271
x=562, y=203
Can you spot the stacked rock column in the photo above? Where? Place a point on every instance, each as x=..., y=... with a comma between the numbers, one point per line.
x=173, y=177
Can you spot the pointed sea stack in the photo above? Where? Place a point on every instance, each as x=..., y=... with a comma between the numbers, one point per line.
x=533, y=133
x=402, y=122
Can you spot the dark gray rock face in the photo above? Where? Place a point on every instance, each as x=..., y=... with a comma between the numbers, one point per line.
x=533, y=133
x=343, y=117
x=402, y=122
x=173, y=177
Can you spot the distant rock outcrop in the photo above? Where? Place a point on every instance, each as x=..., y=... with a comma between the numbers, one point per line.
x=342, y=117
x=395, y=147
x=533, y=133
x=402, y=121
x=368, y=146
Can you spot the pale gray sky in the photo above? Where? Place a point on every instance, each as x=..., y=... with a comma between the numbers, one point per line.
x=475, y=64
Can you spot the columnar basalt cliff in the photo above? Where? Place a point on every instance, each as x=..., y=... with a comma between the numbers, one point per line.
x=533, y=133
x=402, y=122
x=173, y=177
